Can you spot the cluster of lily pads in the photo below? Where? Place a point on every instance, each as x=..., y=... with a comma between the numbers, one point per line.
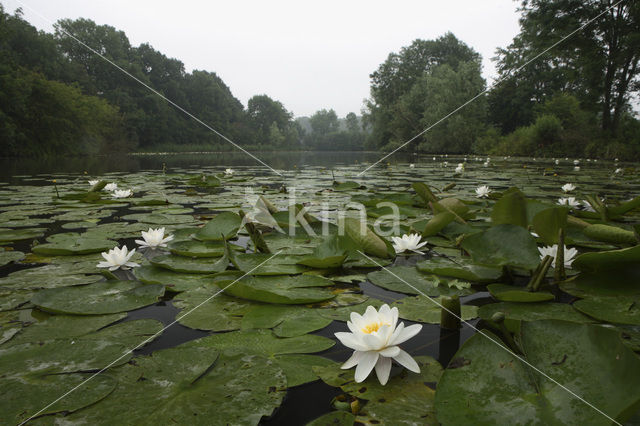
x=563, y=284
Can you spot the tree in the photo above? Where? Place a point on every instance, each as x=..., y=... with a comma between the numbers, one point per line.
x=397, y=109
x=598, y=64
x=270, y=118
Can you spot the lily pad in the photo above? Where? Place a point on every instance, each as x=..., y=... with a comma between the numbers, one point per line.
x=268, y=264
x=106, y=297
x=299, y=368
x=509, y=293
x=533, y=311
x=200, y=248
x=265, y=343
x=287, y=320
x=407, y=279
x=10, y=256
x=74, y=246
x=371, y=389
x=460, y=269
x=590, y=360
x=620, y=310
x=10, y=235
x=608, y=260
x=190, y=265
x=215, y=310
x=281, y=289
x=223, y=226
x=508, y=245
x=419, y=309
x=173, y=281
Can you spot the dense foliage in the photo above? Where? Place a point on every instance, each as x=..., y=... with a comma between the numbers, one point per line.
x=574, y=100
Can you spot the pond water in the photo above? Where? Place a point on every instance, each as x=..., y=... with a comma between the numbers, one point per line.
x=53, y=230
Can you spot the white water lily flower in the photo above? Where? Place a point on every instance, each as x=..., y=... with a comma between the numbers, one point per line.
x=571, y=202
x=375, y=338
x=483, y=191
x=122, y=193
x=557, y=162
x=576, y=162
x=446, y=163
x=460, y=168
x=552, y=251
x=154, y=238
x=117, y=258
x=618, y=171
x=408, y=242
x=576, y=168
x=568, y=187
x=412, y=166
x=93, y=182
x=228, y=172
x=111, y=186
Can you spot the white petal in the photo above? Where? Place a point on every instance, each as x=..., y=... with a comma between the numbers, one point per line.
x=373, y=341
x=407, y=334
x=390, y=352
x=353, y=360
x=366, y=364
x=405, y=360
x=383, y=369
x=142, y=243
x=351, y=341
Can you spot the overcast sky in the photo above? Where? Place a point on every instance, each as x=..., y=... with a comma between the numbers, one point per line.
x=307, y=55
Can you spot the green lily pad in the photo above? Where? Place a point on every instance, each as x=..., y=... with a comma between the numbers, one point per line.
x=265, y=343
x=287, y=321
x=419, y=309
x=533, y=311
x=159, y=218
x=10, y=256
x=128, y=333
x=268, y=264
x=224, y=224
x=547, y=223
x=190, y=265
x=407, y=279
x=216, y=311
x=106, y=297
x=511, y=208
x=173, y=281
x=620, y=310
x=281, y=289
x=10, y=235
x=74, y=246
x=608, y=260
x=623, y=282
x=365, y=239
x=460, y=269
x=371, y=389
x=331, y=253
x=24, y=396
x=49, y=276
x=200, y=248
x=299, y=368
x=343, y=312
x=509, y=293
x=62, y=327
x=590, y=360
x=508, y=245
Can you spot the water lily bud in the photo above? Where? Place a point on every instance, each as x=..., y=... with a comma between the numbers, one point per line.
x=498, y=317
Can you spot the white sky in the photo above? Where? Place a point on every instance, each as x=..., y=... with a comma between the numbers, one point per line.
x=307, y=55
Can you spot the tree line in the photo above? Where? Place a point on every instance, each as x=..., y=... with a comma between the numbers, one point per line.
x=58, y=97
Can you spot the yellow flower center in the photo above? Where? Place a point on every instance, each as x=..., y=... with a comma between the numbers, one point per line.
x=370, y=328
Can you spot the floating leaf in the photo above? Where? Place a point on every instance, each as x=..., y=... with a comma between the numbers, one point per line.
x=299, y=368
x=74, y=245
x=608, y=260
x=548, y=223
x=287, y=321
x=9, y=235
x=190, y=265
x=620, y=309
x=509, y=293
x=215, y=312
x=427, y=310
x=224, y=224
x=460, y=269
x=407, y=279
x=282, y=289
x=533, y=311
x=173, y=281
x=200, y=248
x=106, y=297
x=268, y=264
x=511, y=209
x=10, y=256
x=509, y=245
x=264, y=342
x=590, y=360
